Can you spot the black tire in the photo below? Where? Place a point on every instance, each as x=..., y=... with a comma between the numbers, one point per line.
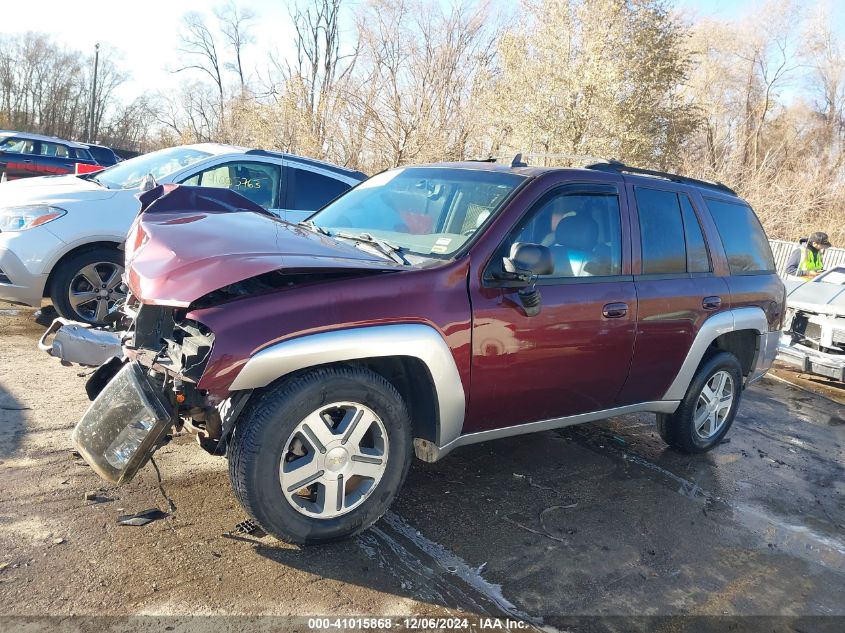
x=67, y=272
x=678, y=429
x=265, y=427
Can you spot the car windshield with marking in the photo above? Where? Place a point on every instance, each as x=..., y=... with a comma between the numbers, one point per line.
x=429, y=211
x=130, y=173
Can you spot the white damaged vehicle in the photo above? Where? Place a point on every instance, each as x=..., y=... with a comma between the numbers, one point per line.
x=814, y=326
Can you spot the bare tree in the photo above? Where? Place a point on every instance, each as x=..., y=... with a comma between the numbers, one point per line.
x=198, y=46
x=235, y=25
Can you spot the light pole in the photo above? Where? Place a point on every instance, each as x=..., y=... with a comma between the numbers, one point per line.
x=90, y=134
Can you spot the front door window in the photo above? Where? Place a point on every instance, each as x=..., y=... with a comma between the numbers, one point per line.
x=258, y=182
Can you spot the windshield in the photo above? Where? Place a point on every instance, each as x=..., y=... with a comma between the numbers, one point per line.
x=128, y=174
x=425, y=210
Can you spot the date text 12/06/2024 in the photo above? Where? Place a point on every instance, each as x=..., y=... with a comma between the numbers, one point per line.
x=413, y=623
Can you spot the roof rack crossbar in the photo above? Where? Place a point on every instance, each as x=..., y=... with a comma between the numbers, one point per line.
x=618, y=167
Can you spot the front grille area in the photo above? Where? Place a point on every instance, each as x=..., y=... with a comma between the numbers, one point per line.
x=813, y=331
x=838, y=337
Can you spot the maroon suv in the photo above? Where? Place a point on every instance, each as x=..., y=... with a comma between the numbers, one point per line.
x=428, y=308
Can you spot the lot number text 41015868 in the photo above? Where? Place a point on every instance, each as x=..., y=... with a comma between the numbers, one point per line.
x=417, y=623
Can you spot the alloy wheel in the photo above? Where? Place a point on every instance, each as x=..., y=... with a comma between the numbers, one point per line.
x=95, y=289
x=334, y=460
x=714, y=404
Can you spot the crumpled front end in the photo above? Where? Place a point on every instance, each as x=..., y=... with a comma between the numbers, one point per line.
x=814, y=342
x=139, y=397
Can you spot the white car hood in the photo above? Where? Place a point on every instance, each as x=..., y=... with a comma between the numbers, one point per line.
x=816, y=296
x=52, y=189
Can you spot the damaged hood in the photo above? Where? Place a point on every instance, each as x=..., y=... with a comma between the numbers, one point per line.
x=174, y=257
x=824, y=295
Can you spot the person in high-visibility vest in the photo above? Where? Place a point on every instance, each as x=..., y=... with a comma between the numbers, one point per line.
x=806, y=259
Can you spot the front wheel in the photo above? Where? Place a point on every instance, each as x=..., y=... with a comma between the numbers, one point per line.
x=88, y=284
x=708, y=408
x=322, y=455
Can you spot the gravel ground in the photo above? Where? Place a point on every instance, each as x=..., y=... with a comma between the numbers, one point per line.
x=596, y=520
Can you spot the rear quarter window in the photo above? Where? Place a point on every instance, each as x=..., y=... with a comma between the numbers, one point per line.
x=743, y=238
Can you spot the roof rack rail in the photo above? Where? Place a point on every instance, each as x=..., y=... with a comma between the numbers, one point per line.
x=489, y=159
x=521, y=159
x=621, y=168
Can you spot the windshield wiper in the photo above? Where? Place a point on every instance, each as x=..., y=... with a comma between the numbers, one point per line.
x=309, y=224
x=391, y=250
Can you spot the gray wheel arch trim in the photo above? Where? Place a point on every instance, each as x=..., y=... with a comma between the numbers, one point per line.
x=403, y=339
x=750, y=318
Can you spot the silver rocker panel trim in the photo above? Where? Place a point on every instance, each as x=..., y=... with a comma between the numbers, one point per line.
x=429, y=452
x=403, y=339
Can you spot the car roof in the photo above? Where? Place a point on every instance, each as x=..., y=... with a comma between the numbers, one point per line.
x=314, y=162
x=637, y=175
x=220, y=148
x=99, y=146
x=41, y=137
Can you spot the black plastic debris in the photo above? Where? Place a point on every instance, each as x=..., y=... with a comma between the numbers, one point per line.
x=45, y=315
x=246, y=528
x=141, y=518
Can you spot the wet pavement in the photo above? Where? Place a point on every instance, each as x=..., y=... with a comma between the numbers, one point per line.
x=596, y=520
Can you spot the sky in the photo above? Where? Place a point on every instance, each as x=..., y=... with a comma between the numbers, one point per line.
x=147, y=36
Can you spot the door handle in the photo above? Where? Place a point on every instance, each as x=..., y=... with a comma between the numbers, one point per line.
x=614, y=310
x=711, y=303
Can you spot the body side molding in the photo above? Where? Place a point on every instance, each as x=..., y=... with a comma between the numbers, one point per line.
x=403, y=339
x=751, y=318
x=429, y=452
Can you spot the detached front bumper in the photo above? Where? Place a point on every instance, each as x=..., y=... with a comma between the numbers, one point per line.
x=811, y=361
x=75, y=342
x=124, y=425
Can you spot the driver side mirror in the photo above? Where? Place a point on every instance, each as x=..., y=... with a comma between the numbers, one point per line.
x=526, y=262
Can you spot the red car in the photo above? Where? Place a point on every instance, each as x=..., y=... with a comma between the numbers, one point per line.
x=428, y=308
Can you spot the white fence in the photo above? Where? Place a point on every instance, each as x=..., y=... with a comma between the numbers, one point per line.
x=781, y=249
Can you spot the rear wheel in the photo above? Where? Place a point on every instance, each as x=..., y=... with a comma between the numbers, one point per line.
x=321, y=456
x=708, y=408
x=88, y=284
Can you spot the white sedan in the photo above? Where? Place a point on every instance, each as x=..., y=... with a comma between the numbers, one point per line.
x=60, y=235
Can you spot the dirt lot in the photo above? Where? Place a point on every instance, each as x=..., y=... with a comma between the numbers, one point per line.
x=594, y=520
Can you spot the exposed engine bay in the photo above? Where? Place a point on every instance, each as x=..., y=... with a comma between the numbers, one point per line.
x=814, y=325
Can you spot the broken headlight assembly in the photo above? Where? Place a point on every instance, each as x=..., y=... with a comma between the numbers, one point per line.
x=124, y=425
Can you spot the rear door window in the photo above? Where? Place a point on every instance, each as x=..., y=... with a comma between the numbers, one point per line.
x=743, y=238
x=670, y=233
x=312, y=191
x=697, y=258
x=661, y=232
x=53, y=149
